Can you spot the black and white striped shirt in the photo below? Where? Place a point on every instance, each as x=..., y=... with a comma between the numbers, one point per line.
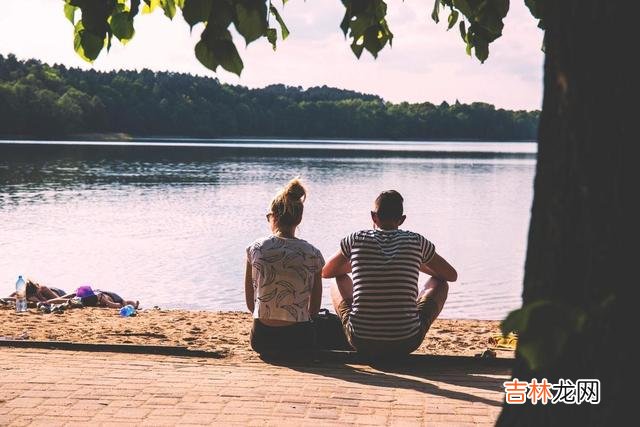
x=385, y=265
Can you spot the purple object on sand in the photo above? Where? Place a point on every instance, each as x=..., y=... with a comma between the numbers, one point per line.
x=84, y=291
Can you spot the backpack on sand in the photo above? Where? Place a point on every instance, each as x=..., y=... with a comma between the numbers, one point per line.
x=329, y=332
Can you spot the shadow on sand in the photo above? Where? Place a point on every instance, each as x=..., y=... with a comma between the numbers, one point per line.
x=417, y=372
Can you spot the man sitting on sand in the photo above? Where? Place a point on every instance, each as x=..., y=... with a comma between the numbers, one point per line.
x=382, y=310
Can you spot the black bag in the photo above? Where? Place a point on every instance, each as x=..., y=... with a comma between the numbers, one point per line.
x=329, y=332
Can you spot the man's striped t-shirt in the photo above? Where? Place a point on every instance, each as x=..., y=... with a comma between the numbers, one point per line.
x=385, y=266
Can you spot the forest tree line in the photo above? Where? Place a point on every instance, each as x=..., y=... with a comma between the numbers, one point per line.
x=41, y=100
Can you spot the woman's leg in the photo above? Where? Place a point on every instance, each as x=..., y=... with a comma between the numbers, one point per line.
x=135, y=304
x=105, y=300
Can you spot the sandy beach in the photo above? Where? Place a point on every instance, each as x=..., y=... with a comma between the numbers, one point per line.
x=224, y=332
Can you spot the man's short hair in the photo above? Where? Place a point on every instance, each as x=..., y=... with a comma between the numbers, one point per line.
x=389, y=205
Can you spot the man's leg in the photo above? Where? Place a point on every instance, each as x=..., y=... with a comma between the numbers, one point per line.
x=432, y=297
x=342, y=298
x=341, y=290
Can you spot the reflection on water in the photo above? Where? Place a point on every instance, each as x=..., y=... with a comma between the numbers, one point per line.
x=172, y=232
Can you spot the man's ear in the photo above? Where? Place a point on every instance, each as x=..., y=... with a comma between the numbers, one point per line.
x=401, y=220
x=374, y=218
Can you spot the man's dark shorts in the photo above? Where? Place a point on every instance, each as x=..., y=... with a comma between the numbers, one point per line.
x=427, y=311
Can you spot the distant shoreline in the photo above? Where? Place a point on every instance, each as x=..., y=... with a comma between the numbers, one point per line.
x=125, y=137
x=192, y=149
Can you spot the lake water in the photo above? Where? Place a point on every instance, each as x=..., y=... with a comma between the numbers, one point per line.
x=167, y=222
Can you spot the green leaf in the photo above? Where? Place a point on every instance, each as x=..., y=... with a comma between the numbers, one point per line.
x=272, y=37
x=206, y=56
x=228, y=56
x=516, y=321
x=453, y=18
x=122, y=26
x=463, y=31
x=543, y=328
x=435, y=15
x=357, y=48
x=169, y=7
x=216, y=48
x=70, y=12
x=283, y=27
x=87, y=45
x=464, y=7
x=344, y=25
x=251, y=21
x=222, y=15
x=150, y=6
x=195, y=11
x=135, y=7
x=482, y=51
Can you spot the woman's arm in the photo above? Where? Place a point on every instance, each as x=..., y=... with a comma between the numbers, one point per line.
x=316, y=295
x=248, y=288
x=439, y=268
x=336, y=266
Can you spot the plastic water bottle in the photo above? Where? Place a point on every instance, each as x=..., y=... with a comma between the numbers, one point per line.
x=127, y=310
x=21, y=295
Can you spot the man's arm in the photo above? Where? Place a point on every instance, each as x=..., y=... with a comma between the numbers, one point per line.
x=439, y=268
x=336, y=266
x=248, y=288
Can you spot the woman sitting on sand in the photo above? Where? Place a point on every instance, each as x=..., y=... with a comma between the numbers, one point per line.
x=37, y=293
x=90, y=298
x=283, y=286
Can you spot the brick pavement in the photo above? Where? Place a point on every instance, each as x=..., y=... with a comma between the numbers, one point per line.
x=54, y=387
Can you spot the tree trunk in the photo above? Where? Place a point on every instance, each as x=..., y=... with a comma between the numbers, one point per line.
x=579, y=250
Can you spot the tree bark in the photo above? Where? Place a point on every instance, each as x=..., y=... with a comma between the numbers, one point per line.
x=579, y=250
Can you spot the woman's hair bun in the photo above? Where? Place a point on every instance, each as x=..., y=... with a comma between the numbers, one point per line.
x=295, y=191
x=287, y=205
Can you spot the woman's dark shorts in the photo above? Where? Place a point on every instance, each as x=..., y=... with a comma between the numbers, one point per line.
x=90, y=301
x=295, y=340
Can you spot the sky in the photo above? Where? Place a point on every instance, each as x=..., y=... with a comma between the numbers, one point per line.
x=425, y=64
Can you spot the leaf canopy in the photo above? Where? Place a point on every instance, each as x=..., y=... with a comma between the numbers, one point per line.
x=364, y=24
